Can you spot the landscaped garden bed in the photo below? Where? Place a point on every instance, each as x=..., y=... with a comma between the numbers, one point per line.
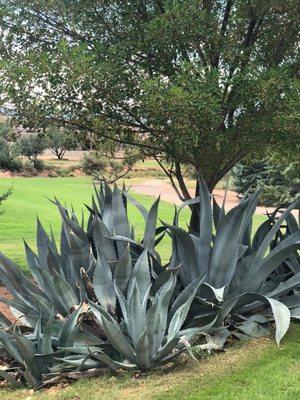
x=101, y=299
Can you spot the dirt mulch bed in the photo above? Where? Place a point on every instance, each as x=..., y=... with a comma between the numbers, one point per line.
x=4, y=309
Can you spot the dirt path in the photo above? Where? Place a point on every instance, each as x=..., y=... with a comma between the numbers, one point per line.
x=156, y=187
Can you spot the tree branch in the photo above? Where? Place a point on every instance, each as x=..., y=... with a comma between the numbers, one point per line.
x=169, y=175
x=181, y=182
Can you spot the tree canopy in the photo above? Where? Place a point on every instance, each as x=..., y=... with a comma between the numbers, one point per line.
x=201, y=83
x=59, y=140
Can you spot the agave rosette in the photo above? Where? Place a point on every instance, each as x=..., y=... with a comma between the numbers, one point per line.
x=238, y=286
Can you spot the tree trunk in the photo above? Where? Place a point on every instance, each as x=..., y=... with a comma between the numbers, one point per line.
x=194, y=226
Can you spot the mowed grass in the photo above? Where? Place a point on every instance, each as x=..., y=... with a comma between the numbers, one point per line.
x=30, y=198
x=255, y=370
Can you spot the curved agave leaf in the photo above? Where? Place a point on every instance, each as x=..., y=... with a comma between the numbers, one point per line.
x=268, y=238
x=34, y=265
x=121, y=224
x=9, y=343
x=103, y=283
x=180, y=315
x=101, y=237
x=137, y=204
x=285, y=287
x=112, y=364
x=225, y=251
x=123, y=269
x=140, y=273
x=68, y=329
x=143, y=357
x=136, y=314
x=65, y=291
x=113, y=332
x=149, y=235
x=157, y=316
x=187, y=254
x=280, y=311
x=43, y=242
x=16, y=282
x=259, y=270
x=188, y=292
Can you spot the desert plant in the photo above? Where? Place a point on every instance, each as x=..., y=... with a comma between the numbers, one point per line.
x=237, y=274
x=150, y=332
x=111, y=303
x=79, y=273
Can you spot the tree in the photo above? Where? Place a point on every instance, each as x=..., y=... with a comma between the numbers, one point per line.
x=31, y=146
x=8, y=156
x=197, y=82
x=281, y=181
x=59, y=140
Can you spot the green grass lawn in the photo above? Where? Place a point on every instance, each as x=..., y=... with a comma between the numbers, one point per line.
x=255, y=370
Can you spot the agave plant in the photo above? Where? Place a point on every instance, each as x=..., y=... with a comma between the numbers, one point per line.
x=149, y=333
x=238, y=288
x=286, y=275
x=103, y=298
x=65, y=278
x=96, y=267
x=29, y=354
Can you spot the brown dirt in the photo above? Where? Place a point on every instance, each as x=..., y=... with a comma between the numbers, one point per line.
x=6, y=174
x=156, y=187
x=44, y=174
x=4, y=309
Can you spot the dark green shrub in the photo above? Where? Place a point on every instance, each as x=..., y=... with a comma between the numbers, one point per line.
x=104, y=169
x=8, y=160
x=91, y=163
x=280, y=182
x=30, y=147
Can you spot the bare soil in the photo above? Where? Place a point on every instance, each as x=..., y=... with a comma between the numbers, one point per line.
x=156, y=187
x=4, y=309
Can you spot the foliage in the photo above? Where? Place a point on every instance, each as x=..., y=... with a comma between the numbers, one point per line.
x=280, y=181
x=8, y=160
x=91, y=266
x=59, y=140
x=106, y=168
x=30, y=147
x=102, y=298
x=236, y=270
x=196, y=83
